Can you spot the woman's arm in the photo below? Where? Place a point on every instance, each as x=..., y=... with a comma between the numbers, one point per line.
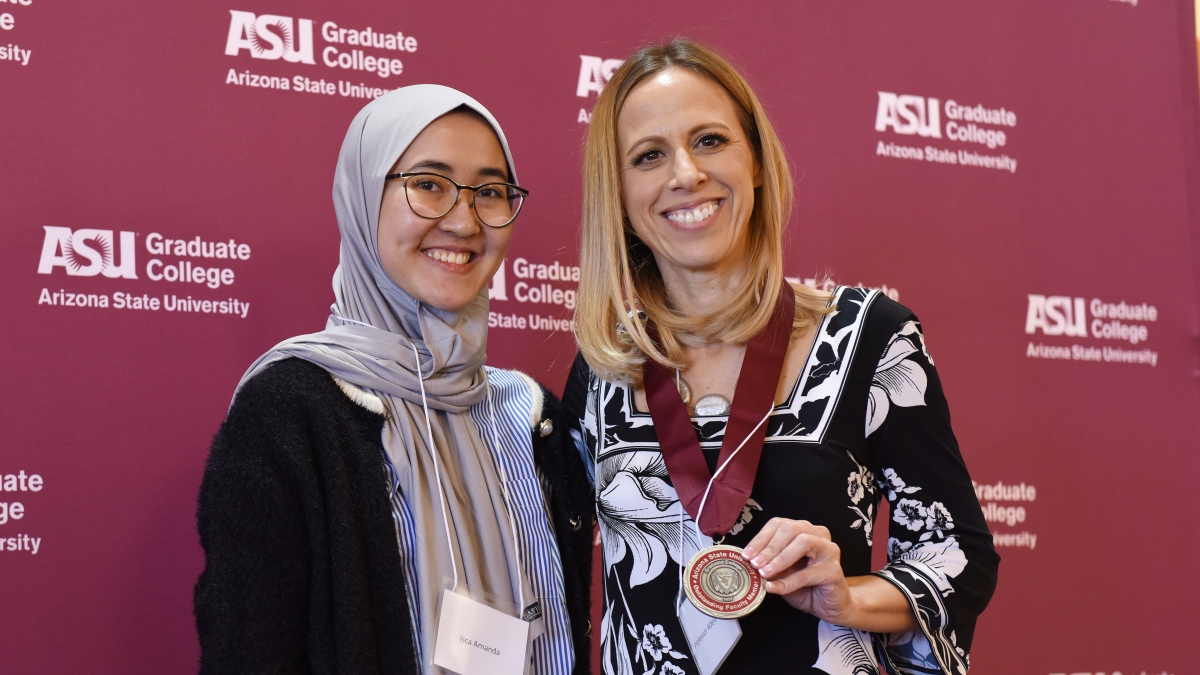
x=251, y=601
x=941, y=569
x=582, y=427
x=572, y=506
x=940, y=553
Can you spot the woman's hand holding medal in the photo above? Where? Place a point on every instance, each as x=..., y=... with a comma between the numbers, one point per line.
x=803, y=565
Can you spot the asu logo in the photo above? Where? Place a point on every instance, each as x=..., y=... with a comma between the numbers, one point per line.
x=908, y=115
x=86, y=253
x=594, y=73
x=268, y=36
x=1056, y=315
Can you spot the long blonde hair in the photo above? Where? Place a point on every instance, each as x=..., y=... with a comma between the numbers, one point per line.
x=618, y=270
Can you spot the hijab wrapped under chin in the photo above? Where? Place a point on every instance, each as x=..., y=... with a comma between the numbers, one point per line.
x=369, y=341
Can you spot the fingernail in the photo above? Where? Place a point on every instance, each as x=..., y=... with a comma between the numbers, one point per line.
x=766, y=571
x=770, y=587
x=758, y=561
x=748, y=552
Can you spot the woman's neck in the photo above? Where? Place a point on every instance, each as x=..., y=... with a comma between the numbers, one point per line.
x=695, y=293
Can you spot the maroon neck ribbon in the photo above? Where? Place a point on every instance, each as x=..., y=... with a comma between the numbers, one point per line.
x=752, y=398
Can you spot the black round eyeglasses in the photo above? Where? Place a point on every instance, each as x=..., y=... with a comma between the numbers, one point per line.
x=432, y=195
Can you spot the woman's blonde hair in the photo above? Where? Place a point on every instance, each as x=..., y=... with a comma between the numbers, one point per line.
x=618, y=270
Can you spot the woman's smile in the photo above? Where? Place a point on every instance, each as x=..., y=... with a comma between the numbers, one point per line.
x=693, y=213
x=449, y=259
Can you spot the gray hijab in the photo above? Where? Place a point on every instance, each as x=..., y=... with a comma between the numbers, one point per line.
x=369, y=342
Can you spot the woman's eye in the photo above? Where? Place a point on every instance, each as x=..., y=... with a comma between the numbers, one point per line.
x=648, y=156
x=426, y=186
x=711, y=141
x=489, y=193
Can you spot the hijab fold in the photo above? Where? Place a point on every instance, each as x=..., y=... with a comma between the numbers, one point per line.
x=369, y=341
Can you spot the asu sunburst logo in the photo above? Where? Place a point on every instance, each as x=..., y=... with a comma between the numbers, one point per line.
x=271, y=37
x=88, y=252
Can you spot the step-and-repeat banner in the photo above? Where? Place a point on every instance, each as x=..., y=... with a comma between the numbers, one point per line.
x=1022, y=175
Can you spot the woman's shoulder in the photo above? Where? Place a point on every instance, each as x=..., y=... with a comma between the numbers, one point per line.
x=294, y=386
x=516, y=387
x=887, y=331
x=865, y=322
x=285, y=414
x=287, y=379
x=869, y=309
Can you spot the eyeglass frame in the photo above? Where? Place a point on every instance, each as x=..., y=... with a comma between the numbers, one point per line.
x=459, y=188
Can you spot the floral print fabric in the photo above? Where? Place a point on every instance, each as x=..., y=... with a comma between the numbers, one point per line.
x=865, y=422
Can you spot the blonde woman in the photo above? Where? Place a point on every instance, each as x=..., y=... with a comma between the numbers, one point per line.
x=743, y=431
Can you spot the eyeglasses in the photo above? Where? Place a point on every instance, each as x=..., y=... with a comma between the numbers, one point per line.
x=432, y=195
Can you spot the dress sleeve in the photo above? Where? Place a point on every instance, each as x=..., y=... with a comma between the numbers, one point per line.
x=940, y=552
x=578, y=403
x=251, y=601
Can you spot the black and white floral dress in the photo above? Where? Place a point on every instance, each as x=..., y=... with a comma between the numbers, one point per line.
x=866, y=421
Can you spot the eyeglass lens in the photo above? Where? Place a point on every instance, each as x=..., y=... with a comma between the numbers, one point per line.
x=432, y=196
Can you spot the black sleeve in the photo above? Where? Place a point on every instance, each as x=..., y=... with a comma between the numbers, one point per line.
x=572, y=513
x=940, y=552
x=582, y=426
x=574, y=398
x=252, y=600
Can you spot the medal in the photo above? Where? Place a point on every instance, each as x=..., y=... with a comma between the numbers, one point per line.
x=721, y=583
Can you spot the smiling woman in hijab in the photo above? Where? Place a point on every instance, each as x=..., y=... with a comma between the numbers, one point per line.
x=364, y=469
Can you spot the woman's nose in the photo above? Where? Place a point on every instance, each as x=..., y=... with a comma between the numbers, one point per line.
x=686, y=174
x=461, y=220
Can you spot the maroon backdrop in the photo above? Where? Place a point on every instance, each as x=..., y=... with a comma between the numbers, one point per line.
x=1023, y=175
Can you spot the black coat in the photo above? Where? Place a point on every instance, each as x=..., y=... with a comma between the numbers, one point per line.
x=303, y=569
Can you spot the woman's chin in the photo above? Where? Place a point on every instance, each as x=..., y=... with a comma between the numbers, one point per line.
x=439, y=285
x=703, y=249
x=451, y=302
x=702, y=259
x=449, y=293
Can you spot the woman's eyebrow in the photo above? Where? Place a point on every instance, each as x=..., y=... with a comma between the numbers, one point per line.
x=431, y=164
x=708, y=126
x=437, y=165
x=492, y=171
x=652, y=138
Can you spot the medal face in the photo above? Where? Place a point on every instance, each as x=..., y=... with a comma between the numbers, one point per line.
x=721, y=583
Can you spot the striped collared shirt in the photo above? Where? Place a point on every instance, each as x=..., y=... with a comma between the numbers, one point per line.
x=553, y=652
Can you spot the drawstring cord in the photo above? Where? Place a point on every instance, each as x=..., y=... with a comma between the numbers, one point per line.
x=704, y=500
x=436, y=471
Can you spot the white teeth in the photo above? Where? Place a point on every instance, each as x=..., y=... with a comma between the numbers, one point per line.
x=695, y=215
x=448, y=256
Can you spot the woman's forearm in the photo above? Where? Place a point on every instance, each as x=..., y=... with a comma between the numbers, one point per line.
x=878, y=607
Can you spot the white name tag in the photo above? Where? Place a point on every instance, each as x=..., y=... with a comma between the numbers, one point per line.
x=474, y=639
x=711, y=639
